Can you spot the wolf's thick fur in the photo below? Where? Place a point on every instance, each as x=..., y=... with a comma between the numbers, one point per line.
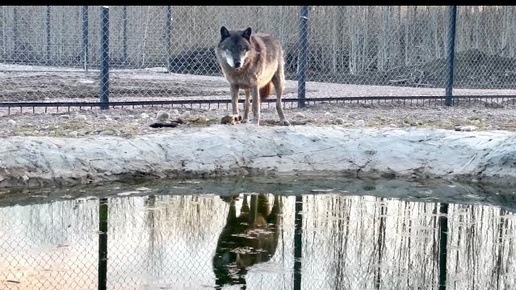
x=247, y=239
x=252, y=62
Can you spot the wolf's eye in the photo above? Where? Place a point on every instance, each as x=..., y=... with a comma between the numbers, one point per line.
x=237, y=48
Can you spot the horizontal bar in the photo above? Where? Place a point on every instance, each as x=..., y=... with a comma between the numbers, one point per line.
x=227, y=101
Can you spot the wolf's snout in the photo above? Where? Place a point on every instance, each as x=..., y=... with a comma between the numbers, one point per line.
x=237, y=64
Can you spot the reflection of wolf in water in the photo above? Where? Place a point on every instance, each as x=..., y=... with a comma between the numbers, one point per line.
x=247, y=239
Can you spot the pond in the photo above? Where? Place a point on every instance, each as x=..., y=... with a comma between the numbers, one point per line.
x=260, y=233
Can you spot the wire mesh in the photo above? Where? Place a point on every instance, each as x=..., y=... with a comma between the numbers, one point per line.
x=156, y=52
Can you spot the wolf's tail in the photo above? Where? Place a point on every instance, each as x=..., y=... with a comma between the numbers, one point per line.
x=266, y=91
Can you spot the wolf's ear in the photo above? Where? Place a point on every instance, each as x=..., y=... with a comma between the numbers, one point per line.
x=247, y=33
x=224, y=33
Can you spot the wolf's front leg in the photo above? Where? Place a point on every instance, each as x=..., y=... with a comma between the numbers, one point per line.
x=256, y=104
x=234, y=98
x=247, y=106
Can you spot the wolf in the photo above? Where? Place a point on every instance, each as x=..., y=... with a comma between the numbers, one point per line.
x=246, y=239
x=252, y=62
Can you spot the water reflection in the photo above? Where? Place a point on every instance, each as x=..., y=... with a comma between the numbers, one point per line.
x=298, y=241
x=103, y=254
x=259, y=241
x=246, y=239
x=443, y=243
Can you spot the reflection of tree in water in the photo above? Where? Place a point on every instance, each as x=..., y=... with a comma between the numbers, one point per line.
x=155, y=256
x=378, y=243
x=177, y=219
x=246, y=239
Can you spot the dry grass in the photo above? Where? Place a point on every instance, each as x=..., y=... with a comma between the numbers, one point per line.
x=129, y=122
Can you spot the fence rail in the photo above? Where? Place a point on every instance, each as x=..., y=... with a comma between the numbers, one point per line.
x=418, y=100
x=467, y=47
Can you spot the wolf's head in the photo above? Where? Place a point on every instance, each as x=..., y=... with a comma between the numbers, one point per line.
x=235, y=46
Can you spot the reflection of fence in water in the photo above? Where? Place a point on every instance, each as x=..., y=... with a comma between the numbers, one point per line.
x=347, y=242
x=370, y=237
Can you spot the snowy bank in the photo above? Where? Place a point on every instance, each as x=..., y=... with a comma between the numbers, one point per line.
x=259, y=150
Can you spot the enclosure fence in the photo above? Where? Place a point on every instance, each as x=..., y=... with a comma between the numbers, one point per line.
x=166, y=53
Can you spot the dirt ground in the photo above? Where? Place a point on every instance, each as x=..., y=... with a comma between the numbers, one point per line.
x=25, y=83
x=136, y=121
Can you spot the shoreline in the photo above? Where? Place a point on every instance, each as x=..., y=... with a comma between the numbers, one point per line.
x=248, y=150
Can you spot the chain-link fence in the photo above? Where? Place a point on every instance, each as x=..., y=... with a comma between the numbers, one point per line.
x=167, y=52
x=321, y=241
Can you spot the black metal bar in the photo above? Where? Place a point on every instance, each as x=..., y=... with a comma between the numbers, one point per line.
x=104, y=57
x=298, y=241
x=48, y=34
x=451, y=55
x=103, y=228
x=227, y=101
x=168, y=36
x=124, y=35
x=443, y=244
x=84, y=55
x=301, y=64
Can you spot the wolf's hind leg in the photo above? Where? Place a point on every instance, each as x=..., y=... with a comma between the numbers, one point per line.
x=278, y=80
x=256, y=104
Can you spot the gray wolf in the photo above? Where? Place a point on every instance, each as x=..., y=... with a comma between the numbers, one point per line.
x=252, y=62
x=246, y=239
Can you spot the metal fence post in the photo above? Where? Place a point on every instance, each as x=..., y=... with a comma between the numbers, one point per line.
x=103, y=243
x=4, y=37
x=451, y=55
x=301, y=67
x=104, y=57
x=168, y=29
x=85, y=37
x=443, y=242
x=48, y=34
x=124, y=35
x=298, y=241
x=15, y=33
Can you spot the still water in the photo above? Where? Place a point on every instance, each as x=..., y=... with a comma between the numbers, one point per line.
x=318, y=233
